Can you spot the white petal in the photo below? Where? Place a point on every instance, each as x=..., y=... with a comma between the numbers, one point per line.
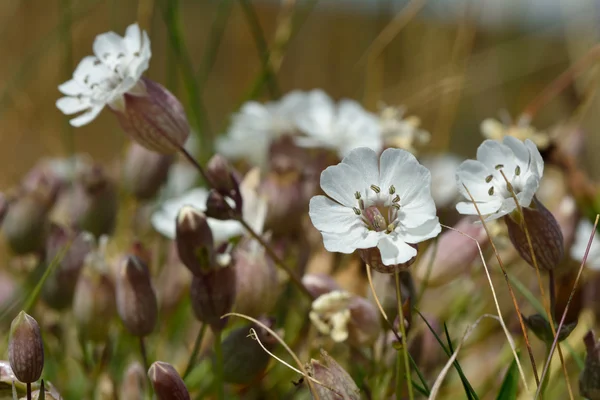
x=108, y=46
x=473, y=174
x=402, y=170
x=536, y=160
x=366, y=161
x=86, y=117
x=429, y=229
x=133, y=36
x=582, y=236
x=72, y=105
x=518, y=148
x=492, y=153
x=72, y=88
x=341, y=182
x=395, y=251
x=347, y=242
x=222, y=231
x=490, y=207
x=329, y=216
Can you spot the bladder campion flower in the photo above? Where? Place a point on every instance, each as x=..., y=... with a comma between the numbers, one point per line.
x=519, y=161
x=147, y=111
x=377, y=204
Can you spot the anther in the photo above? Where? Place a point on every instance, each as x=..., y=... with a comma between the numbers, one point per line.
x=390, y=228
x=499, y=166
x=396, y=199
x=491, y=191
x=375, y=188
x=489, y=178
x=361, y=204
x=356, y=210
x=357, y=195
x=392, y=189
x=518, y=170
x=396, y=206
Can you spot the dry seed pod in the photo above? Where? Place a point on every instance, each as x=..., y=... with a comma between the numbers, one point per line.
x=166, y=382
x=25, y=348
x=338, y=384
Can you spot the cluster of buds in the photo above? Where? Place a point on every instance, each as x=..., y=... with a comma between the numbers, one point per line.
x=224, y=199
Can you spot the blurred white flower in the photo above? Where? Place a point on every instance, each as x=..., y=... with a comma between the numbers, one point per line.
x=582, y=236
x=330, y=313
x=520, y=162
x=496, y=130
x=400, y=131
x=443, y=182
x=104, y=78
x=382, y=202
x=341, y=127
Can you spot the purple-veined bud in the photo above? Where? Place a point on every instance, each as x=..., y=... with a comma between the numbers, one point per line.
x=224, y=178
x=25, y=224
x=244, y=360
x=544, y=231
x=453, y=254
x=372, y=257
x=319, y=284
x=257, y=287
x=145, y=171
x=154, y=119
x=166, y=382
x=93, y=202
x=60, y=286
x=589, y=380
x=136, y=300
x=338, y=384
x=134, y=382
x=25, y=348
x=221, y=207
x=94, y=304
x=540, y=326
x=213, y=295
x=194, y=241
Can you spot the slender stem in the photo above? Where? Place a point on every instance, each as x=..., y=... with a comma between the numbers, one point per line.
x=28, y=390
x=547, y=361
x=552, y=289
x=404, y=345
x=219, y=367
x=144, y=353
x=217, y=30
x=195, y=351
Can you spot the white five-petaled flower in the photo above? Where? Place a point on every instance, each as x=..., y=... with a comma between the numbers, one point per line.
x=340, y=127
x=103, y=79
x=582, y=236
x=330, y=313
x=501, y=170
x=382, y=202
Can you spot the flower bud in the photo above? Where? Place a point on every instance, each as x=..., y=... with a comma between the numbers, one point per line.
x=372, y=257
x=25, y=348
x=224, y=178
x=25, y=224
x=136, y=301
x=94, y=299
x=365, y=324
x=256, y=279
x=156, y=120
x=166, y=382
x=94, y=202
x=134, y=382
x=145, y=171
x=589, y=380
x=194, y=241
x=60, y=286
x=338, y=384
x=544, y=231
x=244, y=360
x=542, y=329
x=221, y=207
x=319, y=284
x=213, y=295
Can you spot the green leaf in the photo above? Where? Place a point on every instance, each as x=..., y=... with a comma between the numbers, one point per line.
x=510, y=384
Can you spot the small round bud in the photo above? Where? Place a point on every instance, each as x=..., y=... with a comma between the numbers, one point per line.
x=224, y=178
x=319, y=284
x=166, y=382
x=136, y=300
x=25, y=224
x=221, y=207
x=333, y=376
x=145, y=171
x=155, y=120
x=213, y=295
x=194, y=241
x=25, y=348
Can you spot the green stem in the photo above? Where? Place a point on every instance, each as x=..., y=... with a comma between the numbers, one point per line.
x=144, y=353
x=219, y=367
x=411, y=395
x=195, y=351
x=546, y=378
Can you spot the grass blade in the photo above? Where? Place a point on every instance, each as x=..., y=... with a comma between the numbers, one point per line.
x=510, y=384
x=463, y=378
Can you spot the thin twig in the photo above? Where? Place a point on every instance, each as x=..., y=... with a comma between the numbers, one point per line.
x=144, y=353
x=195, y=351
x=411, y=395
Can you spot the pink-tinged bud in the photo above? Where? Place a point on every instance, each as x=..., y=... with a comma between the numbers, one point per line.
x=221, y=207
x=453, y=255
x=256, y=278
x=94, y=305
x=42, y=180
x=134, y=382
x=94, y=202
x=372, y=257
x=136, y=300
x=25, y=348
x=244, y=360
x=60, y=286
x=213, y=295
x=25, y=224
x=166, y=382
x=319, y=284
x=155, y=120
x=194, y=241
x=338, y=384
x=145, y=171
x=224, y=178
x=545, y=234
x=589, y=380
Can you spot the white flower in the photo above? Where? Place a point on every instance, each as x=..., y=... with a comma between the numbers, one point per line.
x=340, y=127
x=376, y=202
x=582, y=237
x=330, y=313
x=400, y=131
x=257, y=125
x=520, y=162
x=104, y=78
x=496, y=130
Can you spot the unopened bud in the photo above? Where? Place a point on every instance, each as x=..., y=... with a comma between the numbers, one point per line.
x=166, y=382
x=319, y=284
x=224, y=178
x=25, y=224
x=372, y=257
x=136, y=300
x=134, y=382
x=221, y=207
x=589, y=380
x=542, y=329
x=336, y=382
x=145, y=171
x=544, y=232
x=155, y=120
x=244, y=360
x=213, y=295
x=194, y=241
x=365, y=325
x=25, y=348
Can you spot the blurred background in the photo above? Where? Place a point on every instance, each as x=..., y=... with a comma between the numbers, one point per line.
x=452, y=63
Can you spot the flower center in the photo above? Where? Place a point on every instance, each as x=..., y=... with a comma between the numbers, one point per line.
x=500, y=183
x=380, y=211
